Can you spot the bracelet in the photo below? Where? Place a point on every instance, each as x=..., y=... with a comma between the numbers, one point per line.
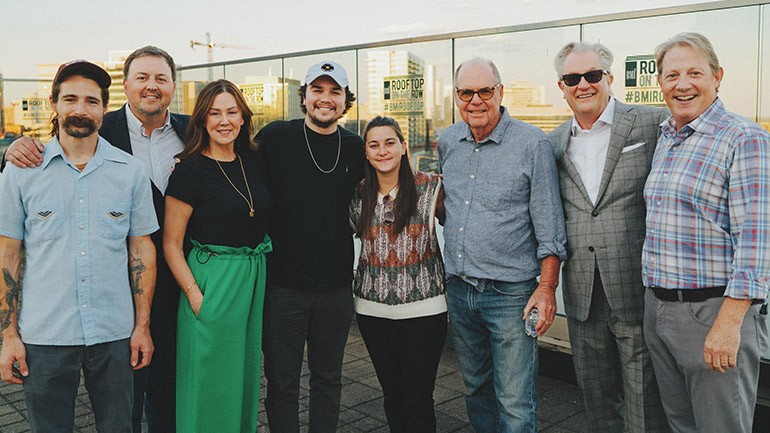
x=194, y=283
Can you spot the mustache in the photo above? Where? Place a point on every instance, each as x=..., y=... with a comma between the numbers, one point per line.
x=79, y=122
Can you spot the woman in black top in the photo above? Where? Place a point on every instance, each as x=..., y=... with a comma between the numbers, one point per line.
x=217, y=200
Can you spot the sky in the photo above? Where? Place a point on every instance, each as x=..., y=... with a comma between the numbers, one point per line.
x=36, y=32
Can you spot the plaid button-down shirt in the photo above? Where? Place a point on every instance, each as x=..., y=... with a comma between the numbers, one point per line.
x=708, y=206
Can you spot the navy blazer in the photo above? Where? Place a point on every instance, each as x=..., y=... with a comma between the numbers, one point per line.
x=115, y=130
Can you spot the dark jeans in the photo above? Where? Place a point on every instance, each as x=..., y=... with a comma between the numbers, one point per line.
x=405, y=354
x=54, y=377
x=291, y=318
x=155, y=385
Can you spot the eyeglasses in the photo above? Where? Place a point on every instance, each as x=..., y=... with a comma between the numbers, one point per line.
x=592, y=77
x=485, y=93
x=389, y=216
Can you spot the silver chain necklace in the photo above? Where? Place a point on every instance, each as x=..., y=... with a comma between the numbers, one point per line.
x=339, y=148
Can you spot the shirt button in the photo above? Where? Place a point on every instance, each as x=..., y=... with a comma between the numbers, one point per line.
x=467, y=202
x=473, y=176
x=461, y=229
x=85, y=305
x=82, y=280
x=82, y=253
x=476, y=149
x=80, y=201
x=82, y=227
x=460, y=255
x=591, y=249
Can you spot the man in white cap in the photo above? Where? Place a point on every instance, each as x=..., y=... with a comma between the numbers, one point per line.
x=313, y=167
x=84, y=216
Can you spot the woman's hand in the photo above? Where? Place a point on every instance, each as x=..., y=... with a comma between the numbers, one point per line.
x=196, y=300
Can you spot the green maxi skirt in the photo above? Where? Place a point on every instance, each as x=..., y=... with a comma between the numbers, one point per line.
x=219, y=352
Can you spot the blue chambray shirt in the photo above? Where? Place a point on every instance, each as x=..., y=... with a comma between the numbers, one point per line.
x=74, y=225
x=503, y=205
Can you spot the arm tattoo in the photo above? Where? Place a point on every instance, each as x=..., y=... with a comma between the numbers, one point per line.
x=11, y=300
x=135, y=270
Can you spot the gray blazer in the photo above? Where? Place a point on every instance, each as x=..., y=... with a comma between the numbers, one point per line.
x=609, y=235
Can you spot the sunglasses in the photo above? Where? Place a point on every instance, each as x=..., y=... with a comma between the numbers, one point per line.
x=485, y=93
x=592, y=77
x=389, y=216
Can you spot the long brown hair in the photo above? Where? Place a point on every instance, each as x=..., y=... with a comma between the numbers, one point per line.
x=197, y=139
x=405, y=205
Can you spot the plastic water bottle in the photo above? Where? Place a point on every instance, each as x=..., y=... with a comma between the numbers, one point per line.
x=530, y=323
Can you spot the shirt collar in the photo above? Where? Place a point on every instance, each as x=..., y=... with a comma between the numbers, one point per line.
x=104, y=150
x=706, y=123
x=605, y=118
x=498, y=134
x=135, y=124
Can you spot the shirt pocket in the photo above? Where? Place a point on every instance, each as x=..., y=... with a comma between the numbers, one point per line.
x=113, y=220
x=46, y=221
x=500, y=192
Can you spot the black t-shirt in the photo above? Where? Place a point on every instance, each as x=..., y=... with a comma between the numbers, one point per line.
x=220, y=215
x=312, y=239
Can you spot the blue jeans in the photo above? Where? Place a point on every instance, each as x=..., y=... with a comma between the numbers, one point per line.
x=497, y=359
x=54, y=376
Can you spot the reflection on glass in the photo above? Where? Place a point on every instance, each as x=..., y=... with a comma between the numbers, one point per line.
x=525, y=62
x=736, y=46
x=413, y=84
x=265, y=90
x=190, y=82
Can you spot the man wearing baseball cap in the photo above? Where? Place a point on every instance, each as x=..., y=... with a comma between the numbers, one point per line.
x=313, y=168
x=84, y=216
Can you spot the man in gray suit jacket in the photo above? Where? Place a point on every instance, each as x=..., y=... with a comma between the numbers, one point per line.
x=604, y=155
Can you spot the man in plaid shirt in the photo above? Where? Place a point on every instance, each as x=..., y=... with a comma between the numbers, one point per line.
x=706, y=260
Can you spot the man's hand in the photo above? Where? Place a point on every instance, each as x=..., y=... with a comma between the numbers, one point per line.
x=141, y=343
x=544, y=299
x=25, y=152
x=13, y=351
x=720, y=350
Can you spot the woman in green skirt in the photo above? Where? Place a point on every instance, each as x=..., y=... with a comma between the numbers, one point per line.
x=217, y=207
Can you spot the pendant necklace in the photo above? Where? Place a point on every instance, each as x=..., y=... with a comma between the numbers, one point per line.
x=339, y=147
x=249, y=201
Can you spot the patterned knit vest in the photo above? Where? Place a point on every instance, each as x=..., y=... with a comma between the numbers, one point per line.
x=408, y=268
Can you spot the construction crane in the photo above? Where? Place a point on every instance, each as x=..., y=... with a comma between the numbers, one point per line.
x=210, y=50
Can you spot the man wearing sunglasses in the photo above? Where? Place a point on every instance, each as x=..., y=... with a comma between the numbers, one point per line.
x=604, y=155
x=504, y=228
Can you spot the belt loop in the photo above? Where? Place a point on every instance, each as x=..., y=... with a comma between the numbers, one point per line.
x=679, y=295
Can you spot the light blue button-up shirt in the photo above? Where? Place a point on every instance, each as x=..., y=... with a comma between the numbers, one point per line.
x=74, y=225
x=503, y=206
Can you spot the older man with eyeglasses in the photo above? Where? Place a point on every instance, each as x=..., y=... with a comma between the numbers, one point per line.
x=504, y=228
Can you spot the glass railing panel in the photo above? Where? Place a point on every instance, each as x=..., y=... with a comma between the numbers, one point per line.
x=25, y=110
x=190, y=82
x=413, y=84
x=633, y=43
x=294, y=75
x=525, y=62
x=263, y=87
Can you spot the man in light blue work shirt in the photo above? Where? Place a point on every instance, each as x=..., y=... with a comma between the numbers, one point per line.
x=79, y=307
x=504, y=227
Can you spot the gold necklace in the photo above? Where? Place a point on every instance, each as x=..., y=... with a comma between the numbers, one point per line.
x=249, y=201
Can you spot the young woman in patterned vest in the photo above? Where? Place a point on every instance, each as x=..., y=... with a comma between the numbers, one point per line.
x=399, y=285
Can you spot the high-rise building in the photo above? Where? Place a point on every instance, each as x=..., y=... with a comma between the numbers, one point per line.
x=268, y=96
x=523, y=93
x=114, y=66
x=383, y=64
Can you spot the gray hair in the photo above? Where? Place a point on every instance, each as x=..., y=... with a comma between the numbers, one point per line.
x=480, y=61
x=603, y=52
x=696, y=41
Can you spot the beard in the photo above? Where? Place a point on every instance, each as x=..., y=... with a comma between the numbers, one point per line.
x=79, y=127
x=322, y=123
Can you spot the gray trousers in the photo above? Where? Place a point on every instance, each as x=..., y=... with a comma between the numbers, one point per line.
x=696, y=398
x=614, y=371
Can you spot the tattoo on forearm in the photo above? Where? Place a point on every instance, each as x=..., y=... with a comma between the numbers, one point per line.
x=11, y=300
x=135, y=269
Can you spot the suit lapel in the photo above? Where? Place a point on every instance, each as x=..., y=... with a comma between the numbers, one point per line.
x=119, y=131
x=622, y=120
x=569, y=167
